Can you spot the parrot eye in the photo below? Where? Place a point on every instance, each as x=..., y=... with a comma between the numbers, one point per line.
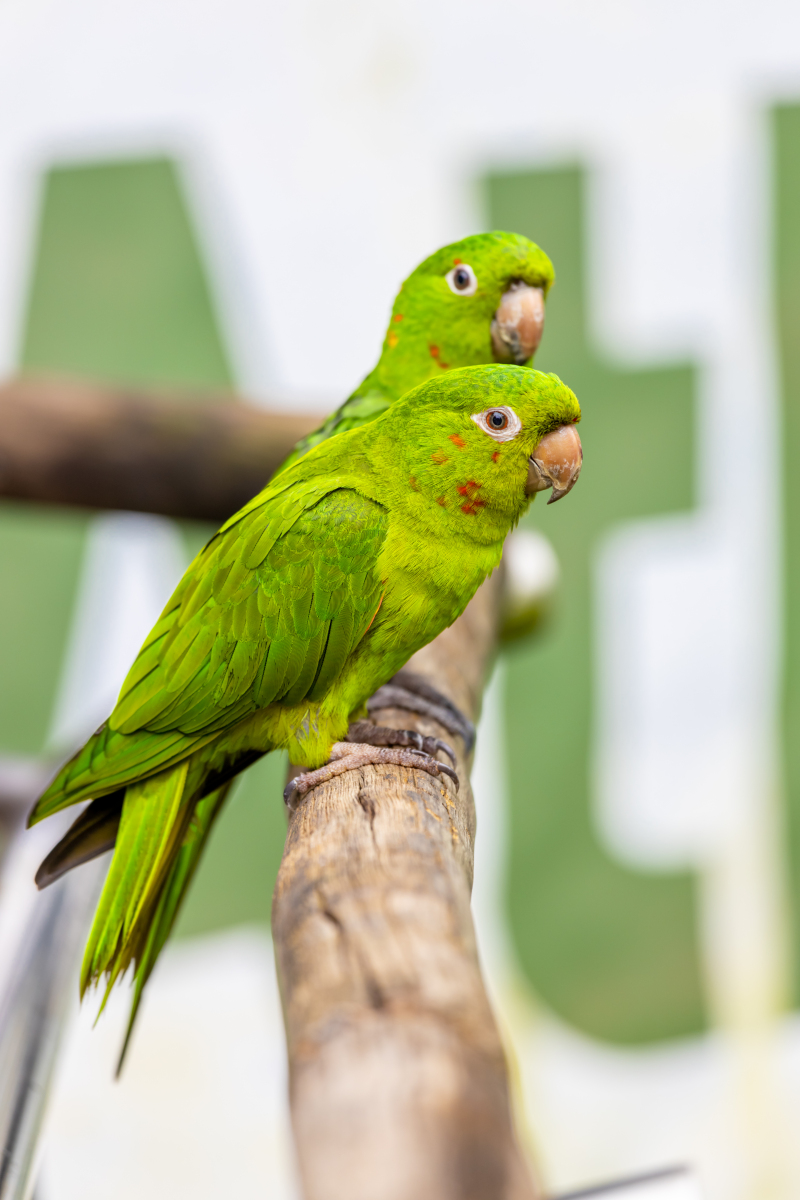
x=462, y=280
x=502, y=424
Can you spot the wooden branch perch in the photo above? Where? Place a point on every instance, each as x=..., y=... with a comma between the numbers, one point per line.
x=399, y=1088
x=69, y=442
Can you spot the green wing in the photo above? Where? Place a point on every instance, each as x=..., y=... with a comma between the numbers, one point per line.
x=262, y=620
x=269, y=611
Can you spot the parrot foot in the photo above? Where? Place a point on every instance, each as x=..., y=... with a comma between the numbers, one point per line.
x=368, y=734
x=413, y=693
x=349, y=756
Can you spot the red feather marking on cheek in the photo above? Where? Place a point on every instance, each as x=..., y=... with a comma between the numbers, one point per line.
x=473, y=502
x=442, y=500
x=496, y=456
x=457, y=441
x=435, y=353
x=457, y=262
x=440, y=458
x=397, y=317
x=412, y=483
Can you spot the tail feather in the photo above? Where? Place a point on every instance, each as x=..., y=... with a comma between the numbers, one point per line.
x=155, y=813
x=176, y=885
x=92, y=834
x=163, y=829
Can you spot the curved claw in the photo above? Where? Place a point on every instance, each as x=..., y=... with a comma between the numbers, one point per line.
x=445, y=770
x=289, y=791
x=434, y=746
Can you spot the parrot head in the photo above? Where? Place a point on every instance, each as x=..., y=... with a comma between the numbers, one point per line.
x=479, y=300
x=482, y=441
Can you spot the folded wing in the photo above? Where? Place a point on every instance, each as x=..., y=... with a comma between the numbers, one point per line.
x=268, y=612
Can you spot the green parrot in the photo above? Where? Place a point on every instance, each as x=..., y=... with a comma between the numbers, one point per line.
x=305, y=601
x=471, y=302
x=479, y=300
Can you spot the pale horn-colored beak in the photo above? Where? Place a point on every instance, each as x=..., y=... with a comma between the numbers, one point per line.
x=555, y=463
x=518, y=323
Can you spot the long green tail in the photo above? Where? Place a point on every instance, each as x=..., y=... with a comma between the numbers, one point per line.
x=172, y=896
x=162, y=832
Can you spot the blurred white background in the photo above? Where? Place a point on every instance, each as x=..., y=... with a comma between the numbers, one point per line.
x=325, y=148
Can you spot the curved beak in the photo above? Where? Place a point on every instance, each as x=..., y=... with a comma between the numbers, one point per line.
x=555, y=463
x=518, y=323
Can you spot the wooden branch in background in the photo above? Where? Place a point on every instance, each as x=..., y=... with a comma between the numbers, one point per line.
x=77, y=443
x=399, y=1088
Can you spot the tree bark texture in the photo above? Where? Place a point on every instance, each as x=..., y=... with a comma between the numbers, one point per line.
x=77, y=443
x=399, y=1088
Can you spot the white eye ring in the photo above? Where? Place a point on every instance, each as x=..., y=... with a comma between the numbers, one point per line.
x=462, y=280
x=488, y=423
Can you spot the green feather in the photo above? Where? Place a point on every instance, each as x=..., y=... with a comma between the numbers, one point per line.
x=151, y=820
x=173, y=893
x=339, y=644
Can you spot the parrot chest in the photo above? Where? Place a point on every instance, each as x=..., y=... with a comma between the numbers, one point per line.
x=429, y=580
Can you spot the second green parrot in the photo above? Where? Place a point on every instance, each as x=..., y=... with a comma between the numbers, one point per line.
x=476, y=301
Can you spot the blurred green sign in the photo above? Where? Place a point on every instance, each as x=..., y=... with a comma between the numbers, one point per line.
x=611, y=950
